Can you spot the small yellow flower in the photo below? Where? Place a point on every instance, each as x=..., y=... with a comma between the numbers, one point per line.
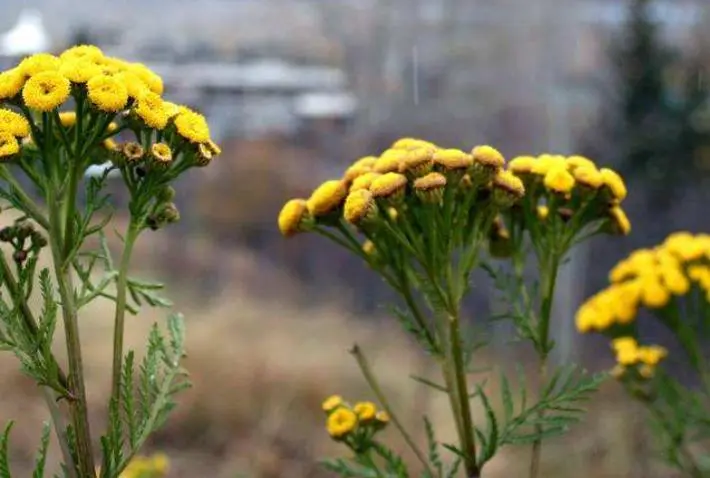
x=354, y=171
x=652, y=354
x=412, y=143
x=622, y=343
x=382, y=417
x=161, y=464
x=150, y=78
x=332, y=402
x=546, y=162
x=392, y=213
x=559, y=180
x=107, y=93
x=81, y=52
x=134, y=85
x=389, y=185
x=133, y=151
x=368, y=247
x=674, y=280
x=359, y=207
x=488, y=157
x=452, y=159
x=67, y=118
x=14, y=123
x=204, y=155
x=327, y=197
x=389, y=161
x=46, y=91
x=192, y=126
x=542, y=212
x=171, y=109
x=214, y=147
x=686, y=246
x=574, y=162
x=291, y=218
x=38, y=63
x=365, y=411
x=430, y=188
x=110, y=144
x=620, y=222
x=161, y=153
x=417, y=162
x=79, y=71
x=11, y=83
x=614, y=182
x=364, y=181
x=588, y=176
x=653, y=294
x=522, y=164
x=151, y=109
x=508, y=188
x=341, y=422
x=9, y=146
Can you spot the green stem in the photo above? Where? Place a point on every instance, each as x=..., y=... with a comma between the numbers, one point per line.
x=458, y=371
x=50, y=398
x=28, y=205
x=77, y=389
x=549, y=278
x=367, y=456
x=134, y=229
x=377, y=390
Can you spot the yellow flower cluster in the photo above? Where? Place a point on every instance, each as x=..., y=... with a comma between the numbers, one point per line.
x=650, y=278
x=352, y=423
x=99, y=85
x=155, y=466
x=574, y=184
x=411, y=172
x=632, y=356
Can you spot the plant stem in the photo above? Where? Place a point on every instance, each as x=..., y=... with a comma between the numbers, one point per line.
x=50, y=397
x=377, y=390
x=120, y=317
x=549, y=278
x=77, y=389
x=458, y=370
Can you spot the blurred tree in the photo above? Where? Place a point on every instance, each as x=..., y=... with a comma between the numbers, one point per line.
x=661, y=97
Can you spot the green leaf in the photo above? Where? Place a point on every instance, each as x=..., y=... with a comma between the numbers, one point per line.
x=4, y=456
x=41, y=458
x=429, y=383
x=433, y=446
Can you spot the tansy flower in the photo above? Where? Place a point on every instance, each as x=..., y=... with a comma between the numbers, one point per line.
x=152, y=80
x=620, y=222
x=151, y=109
x=521, y=164
x=160, y=463
x=134, y=85
x=368, y=247
x=327, y=197
x=290, y=219
x=79, y=71
x=341, y=422
x=9, y=146
x=192, y=126
x=364, y=181
x=576, y=161
x=214, y=147
x=389, y=185
x=107, y=93
x=365, y=411
x=430, y=188
x=359, y=207
x=542, y=212
x=382, y=417
x=14, y=123
x=508, y=188
x=132, y=151
x=67, y=118
x=46, y=91
x=11, y=82
x=588, y=176
x=392, y=213
x=110, y=144
x=81, y=52
x=652, y=354
x=452, y=159
x=332, y=402
x=546, y=162
x=38, y=63
x=488, y=157
x=653, y=294
x=559, y=180
x=614, y=182
x=389, y=161
x=354, y=171
x=417, y=162
x=413, y=143
x=204, y=155
x=161, y=153
x=171, y=109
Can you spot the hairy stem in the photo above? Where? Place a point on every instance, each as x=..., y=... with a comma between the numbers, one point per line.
x=120, y=317
x=77, y=388
x=377, y=390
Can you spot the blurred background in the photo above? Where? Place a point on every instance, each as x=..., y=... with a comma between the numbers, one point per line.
x=294, y=90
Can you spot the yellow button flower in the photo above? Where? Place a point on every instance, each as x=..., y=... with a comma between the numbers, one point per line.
x=9, y=146
x=576, y=161
x=14, y=123
x=653, y=294
x=341, y=422
x=134, y=84
x=161, y=153
x=365, y=411
x=192, y=126
x=452, y=159
x=488, y=156
x=46, y=91
x=559, y=180
x=79, y=71
x=588, y=176
x=522, y=164
x=430, y=188
x=291, y=216
x=542, y=212
x=413, y=143
x=38, y=63
x=107, y=93
x=508, y=188
x=67, y=118
x=11, y=83
x=614, y=182
x=364, y=181
x=652, y=354
x=619, y=221
x=81, y=53
x=546, y=162
x=389, y=161
x=151, y=109
x=149, y=77
x=327, y=197
x=674, y=280
x=359, y=207
x=389, y=185
x=417, y=162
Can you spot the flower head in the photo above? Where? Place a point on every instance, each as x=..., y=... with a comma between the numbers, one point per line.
x=11, y=83
x=365, y=411
x=150, y=78
x=389, y=185
x=291, y=219
x=46, y=91
x=508, y=188
x=522, y=164
x=559, y=180
x=107, y=93
x=488, y=157
x=133, y=151
x=389, y=161
x=588, y=176
x=151, y=109
x=452, y=159
x=67, y=118
x=79, y=70
x=417, y=162
x=332, y=402
x=430, y=188
x=81, y=53
x=14, y=123
x=614, y=183
x=620, y=223
x=9, y=146
x=413, y=143
x=359, y=207
x=204, y=155
x=364, y=181
x=576, y=161
x=192, y=126
x=327, y=197
x=341, y=422
x=161, y=153
x=38, y=63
